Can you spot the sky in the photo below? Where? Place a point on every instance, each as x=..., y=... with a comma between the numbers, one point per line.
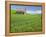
x=29, y=9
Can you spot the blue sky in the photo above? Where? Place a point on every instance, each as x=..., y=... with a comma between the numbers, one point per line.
x=29, y=9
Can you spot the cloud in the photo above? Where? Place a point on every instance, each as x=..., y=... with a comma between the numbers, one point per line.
x=34, y=12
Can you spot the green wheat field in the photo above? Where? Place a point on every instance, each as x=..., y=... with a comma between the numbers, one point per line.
x=25, y=23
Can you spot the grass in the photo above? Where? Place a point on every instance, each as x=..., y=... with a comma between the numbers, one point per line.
x=13, y=12
x=26, y=23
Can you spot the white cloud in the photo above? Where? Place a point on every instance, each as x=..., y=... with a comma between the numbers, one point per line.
x=34, y=12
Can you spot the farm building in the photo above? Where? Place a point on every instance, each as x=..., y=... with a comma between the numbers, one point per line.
x=20, y=10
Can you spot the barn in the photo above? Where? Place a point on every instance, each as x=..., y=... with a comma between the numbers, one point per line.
x=20, y=10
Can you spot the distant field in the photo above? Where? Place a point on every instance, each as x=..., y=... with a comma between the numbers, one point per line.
x=13, y=11
x=26, y=23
